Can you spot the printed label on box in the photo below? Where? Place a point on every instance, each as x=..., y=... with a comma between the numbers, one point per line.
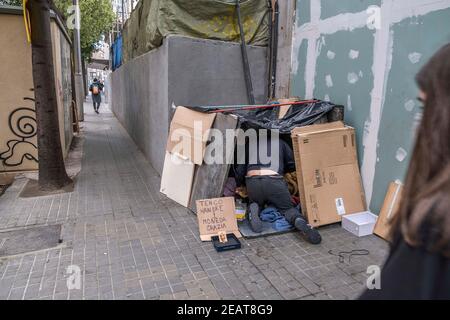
x=340, y=206
x=318, y=178
x=332, y=179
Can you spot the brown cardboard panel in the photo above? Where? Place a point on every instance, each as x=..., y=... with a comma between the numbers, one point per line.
x=390, y=208
x=215, y=216
x=328, y=172
x=183, y=129
x=319, y=128
x=330, y=194
x=314, y=149
x=283, y=110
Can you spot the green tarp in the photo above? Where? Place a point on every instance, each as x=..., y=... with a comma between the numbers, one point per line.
x=152, y=20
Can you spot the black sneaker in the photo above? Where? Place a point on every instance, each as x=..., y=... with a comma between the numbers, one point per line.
x=254, y=219
x=96, y=111
x=308, y=232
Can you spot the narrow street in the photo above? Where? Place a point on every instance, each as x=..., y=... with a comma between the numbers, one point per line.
x=130, y=242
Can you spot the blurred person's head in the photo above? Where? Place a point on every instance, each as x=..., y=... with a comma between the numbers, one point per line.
x=426, y=197
x=95, y=80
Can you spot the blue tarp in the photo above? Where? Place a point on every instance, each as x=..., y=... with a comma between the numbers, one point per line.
x=116, y=50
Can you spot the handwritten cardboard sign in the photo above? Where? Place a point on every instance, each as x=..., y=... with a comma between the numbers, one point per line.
x=216, y=216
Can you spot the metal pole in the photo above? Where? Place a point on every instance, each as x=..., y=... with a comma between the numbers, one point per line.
x=274, y=50
x=247, y=74
x=79, y=84
x=123, y=13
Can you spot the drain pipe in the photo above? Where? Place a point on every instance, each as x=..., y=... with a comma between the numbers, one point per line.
x=273, y=48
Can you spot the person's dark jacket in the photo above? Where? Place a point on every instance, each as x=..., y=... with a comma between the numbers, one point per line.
x=286, y=162
x=413, y=273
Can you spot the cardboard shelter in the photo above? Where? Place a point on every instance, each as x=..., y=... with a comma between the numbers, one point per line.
x=323, y=152
x=328, y=172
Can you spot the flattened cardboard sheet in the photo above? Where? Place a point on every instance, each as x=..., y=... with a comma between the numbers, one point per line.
x=187, y=135
x=177, y=178
x=390, y=208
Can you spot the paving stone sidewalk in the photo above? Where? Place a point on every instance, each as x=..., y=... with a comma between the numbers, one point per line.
x=130, y=242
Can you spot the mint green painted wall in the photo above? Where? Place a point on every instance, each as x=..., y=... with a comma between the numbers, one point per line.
x=338, y=69
x=420, y=36
x=303, y=11
x=423, y=35
x=298, y=82
x=331, y=8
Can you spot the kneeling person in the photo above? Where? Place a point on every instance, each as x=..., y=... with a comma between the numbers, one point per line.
x=266, y=186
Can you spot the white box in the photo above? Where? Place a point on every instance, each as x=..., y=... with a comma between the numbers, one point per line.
x=360, y=224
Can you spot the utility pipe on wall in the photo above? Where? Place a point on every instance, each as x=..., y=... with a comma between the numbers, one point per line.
x=247, y=73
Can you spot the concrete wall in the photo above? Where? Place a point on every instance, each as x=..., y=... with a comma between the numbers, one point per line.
x=364, y=54
x=183, y=71
x=140, y=101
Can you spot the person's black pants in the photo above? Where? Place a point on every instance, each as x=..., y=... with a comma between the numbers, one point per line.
x=96, y=106
x=272, y=191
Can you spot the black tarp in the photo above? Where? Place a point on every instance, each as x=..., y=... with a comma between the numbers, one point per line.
x=267, y=118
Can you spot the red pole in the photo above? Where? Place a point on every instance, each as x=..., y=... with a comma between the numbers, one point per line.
x=266, y=106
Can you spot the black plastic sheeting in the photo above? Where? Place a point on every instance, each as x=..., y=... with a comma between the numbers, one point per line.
x=267, y=118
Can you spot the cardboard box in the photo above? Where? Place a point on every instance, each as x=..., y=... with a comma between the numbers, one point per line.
x=328, y=172
x=390, y=207
x=215, y=216
x=187, y=133
x=360, y=224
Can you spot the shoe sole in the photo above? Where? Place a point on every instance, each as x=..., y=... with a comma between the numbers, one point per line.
x=253, y=218
x=311, y=235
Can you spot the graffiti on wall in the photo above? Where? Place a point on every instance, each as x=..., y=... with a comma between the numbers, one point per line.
x=22, y=124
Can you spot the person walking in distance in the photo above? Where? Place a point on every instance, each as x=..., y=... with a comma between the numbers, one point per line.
x=96, y=89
